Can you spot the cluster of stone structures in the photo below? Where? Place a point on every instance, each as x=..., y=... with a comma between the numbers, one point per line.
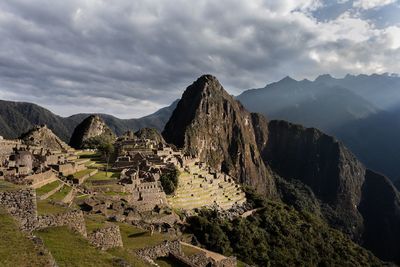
x=143, y=161
x=35, y=165
x=21, y=204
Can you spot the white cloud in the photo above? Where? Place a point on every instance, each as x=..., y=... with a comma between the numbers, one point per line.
x=368, y=4
x=130, y=57
x=393, y=37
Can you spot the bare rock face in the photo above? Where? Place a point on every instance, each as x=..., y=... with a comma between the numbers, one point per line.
x=380, y=208
x=322, y=163
x=44, y=137
x=211, y=124
x=361, y=203
x=90, y=128
x=150, y=133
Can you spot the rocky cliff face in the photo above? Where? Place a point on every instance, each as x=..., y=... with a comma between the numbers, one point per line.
x=150, y=133
x=380, y=208
x=322, y=163
x=212, y=125
x=44, y=137
x=90, y=128
x=364, y=205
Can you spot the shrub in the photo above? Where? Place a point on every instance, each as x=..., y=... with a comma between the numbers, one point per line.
x=169, y=181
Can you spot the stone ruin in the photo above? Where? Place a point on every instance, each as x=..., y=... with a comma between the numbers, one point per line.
x=21, y=204
x=145, y=188
x=174, y=249
x=106, y=237
x=33, y=165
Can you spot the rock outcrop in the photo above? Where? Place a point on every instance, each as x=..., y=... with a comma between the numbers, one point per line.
x=150, y=133
x=43, y=137
x=90, y=131
x=210, y=124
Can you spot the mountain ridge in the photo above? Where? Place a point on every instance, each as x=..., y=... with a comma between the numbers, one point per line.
x=18, y=117
x=355, y=109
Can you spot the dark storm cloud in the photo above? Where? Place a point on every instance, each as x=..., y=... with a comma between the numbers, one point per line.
x=129, y=58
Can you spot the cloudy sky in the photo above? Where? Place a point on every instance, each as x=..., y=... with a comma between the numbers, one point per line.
x=129, y=58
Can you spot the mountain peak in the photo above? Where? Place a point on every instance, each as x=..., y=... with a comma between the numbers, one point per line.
x=288, y=79
x=214, y=127
x=206, y=82
x=91, y=127
x=323, y=77
x=42, y=136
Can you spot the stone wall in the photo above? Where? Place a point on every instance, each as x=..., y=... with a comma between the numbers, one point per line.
x=21, y=204
x=73, y=219
x=82, y=179
x=174, y=249
x=41, y=179
x=228, y=262
x=162, y=250
x=106, y=237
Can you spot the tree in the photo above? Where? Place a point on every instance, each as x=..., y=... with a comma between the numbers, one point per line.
x=106, y=149
x=169, y=181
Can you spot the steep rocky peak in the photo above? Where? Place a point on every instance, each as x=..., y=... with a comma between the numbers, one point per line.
x=92, y=126
x=211, y=124
x=41, y=135
x=149, y=133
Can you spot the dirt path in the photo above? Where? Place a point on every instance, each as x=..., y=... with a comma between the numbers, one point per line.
x=249, y=212
x=216, y=256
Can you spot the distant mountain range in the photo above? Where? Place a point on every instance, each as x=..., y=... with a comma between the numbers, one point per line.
x=17, y=118
x=362, y=111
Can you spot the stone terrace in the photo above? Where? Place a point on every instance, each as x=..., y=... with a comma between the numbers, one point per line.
x=197, y=187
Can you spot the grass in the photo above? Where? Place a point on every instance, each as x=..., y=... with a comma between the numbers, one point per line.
x=7, y=186
x=189, y=251
x=16, y=249
x=45, y=207
x=129, y=256
x=47, y=188
x=102, y=175
x=58, y=196
x=136, y=238
x=82, y=173
x=71, y=249
x=94, y=221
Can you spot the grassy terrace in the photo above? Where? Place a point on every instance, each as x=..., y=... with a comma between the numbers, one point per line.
x=188, y=251
x=94, y=221
x=71, y=249
x=136, y=238
x=45, y=207
x=102, y=175
x=82, y=173
x=7, y=186
x=15, y=247
x=47, y=188
x=58, y=196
